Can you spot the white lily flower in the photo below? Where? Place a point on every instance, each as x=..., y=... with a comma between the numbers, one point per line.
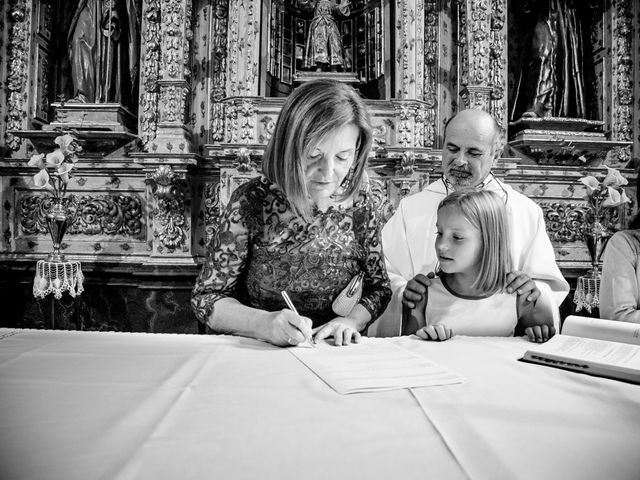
x=614, y=178
x=63, y=171
x=591, y=183
x=55, y=158
x=41, y=180
x=66, y=143
x=37, y=161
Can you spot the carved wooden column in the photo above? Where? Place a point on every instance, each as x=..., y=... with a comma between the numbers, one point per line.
x=19, y=74
x=165, y=131
x=165, y=75
x=483, y=59
x=243, y=48
x=621, y=115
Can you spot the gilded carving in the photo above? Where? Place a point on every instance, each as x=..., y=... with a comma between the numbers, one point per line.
x=268, y=126
x=95, y=215
x=429, y=114
x=404, y=187
x=463, y=58
x=172, y=50
x=218, y=69
x=479, y=26
x=247, y=110
x=173, y=99
x=231, y=125
x=566, y=222
x=18, y=68
x=407, y=163
x=623, y=75
x=402, y=54
x=170, y=224
x=498, y=60
x=243, y=160
x=233, y=29
x=150, y=74
x=405, y=136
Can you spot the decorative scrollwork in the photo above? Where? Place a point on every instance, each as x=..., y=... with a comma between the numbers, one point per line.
x=565, y=222
x=94, y=215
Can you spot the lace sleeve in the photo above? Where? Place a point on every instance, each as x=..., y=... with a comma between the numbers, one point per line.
x=376, y=291
x=226, y=256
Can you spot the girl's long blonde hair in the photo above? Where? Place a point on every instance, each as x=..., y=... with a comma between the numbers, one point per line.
x=486, y=211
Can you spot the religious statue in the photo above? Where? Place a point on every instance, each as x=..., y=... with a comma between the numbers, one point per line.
x=323, y=47
x=104, y=51
x=551, y=81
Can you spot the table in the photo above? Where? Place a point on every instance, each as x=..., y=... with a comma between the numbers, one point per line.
x=79, y=405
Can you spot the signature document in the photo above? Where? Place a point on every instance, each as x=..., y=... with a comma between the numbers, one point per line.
x=374, y=364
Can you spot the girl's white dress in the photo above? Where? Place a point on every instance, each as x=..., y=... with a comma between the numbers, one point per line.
x=495, y=315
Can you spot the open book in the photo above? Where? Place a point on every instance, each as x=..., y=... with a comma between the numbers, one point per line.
x=594, y=346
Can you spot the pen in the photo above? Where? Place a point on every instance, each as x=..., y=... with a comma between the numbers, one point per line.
x=293, y=309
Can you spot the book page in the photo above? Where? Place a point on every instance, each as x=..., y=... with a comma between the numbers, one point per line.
x=590, y=350
x=374, y=364
x=598, y=328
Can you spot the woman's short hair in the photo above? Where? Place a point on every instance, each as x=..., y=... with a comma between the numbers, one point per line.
x=486, y=211
x=313, y=111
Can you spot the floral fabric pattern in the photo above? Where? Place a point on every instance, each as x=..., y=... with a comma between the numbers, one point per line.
x=263, y=248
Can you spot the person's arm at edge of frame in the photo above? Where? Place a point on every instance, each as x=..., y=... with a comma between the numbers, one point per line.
x=619, y=295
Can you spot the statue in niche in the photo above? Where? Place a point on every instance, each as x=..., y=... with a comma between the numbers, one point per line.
x=323, y=49
x=104, y=51
x=551, y=80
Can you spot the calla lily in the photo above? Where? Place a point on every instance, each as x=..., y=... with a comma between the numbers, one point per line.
x=615, y=198
x=41, y=180
x=614, y=178
x=55, y=158
x=66, y=143
x=63, y=172
x=37, y=161
x=591, y=183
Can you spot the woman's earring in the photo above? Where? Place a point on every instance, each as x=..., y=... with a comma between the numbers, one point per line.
x=437, y=270
x=346, y=183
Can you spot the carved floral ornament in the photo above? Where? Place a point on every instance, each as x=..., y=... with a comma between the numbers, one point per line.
x=170, y=225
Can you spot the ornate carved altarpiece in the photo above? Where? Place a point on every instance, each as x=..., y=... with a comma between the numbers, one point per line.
x=211, y=80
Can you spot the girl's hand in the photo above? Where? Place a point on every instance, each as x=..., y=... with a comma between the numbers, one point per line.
x=540, y=333
x=437, y=332
x=286, y=329
x=344, y=330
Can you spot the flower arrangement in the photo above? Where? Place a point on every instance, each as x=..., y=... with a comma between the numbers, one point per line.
x=603, y=197
x=53, y=176
x=55, y=167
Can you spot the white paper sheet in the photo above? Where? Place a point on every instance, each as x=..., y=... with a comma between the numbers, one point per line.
x=374, y=364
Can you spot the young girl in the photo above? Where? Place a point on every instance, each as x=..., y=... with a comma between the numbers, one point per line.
x=468, y=296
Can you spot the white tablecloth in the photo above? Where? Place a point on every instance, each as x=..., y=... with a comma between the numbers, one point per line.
x=83, y=405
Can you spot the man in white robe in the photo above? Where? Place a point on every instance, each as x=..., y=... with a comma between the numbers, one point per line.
x=473, y=144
